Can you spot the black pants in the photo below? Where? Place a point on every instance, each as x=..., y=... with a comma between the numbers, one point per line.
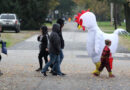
x=105, y=64
x=41, y=55
x=0, y=57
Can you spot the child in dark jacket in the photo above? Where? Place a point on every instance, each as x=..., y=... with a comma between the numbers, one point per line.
x=54, y=49
x=0, y=52
x=0, y=70
x=105, y=59
x=0, y=49
x=43, y=39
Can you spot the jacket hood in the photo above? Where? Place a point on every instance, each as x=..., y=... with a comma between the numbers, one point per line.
x=56, y=28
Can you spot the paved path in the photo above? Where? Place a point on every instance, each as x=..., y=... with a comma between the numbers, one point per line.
x=19, y=66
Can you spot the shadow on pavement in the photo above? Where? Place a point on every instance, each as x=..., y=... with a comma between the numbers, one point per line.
x=1, y=73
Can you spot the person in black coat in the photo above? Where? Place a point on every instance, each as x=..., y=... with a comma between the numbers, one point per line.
x=61, y=23
x=43, y=39
x=0, y=43
x=0, y=54
x=54, y=49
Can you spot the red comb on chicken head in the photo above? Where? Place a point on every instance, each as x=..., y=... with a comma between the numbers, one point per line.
x=80, y=21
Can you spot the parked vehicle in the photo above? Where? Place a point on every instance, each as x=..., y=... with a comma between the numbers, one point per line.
x=9, y=21
x=48, y=20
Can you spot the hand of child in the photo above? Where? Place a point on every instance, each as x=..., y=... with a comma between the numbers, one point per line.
x=48, y=59
x=38, y=38
x=46, y=49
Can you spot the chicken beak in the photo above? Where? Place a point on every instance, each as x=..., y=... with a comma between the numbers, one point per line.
x=79, y=26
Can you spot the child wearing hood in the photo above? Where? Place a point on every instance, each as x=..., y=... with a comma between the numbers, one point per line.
x=43, y=39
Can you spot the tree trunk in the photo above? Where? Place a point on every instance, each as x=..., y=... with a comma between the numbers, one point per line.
x=112, y=19
x=118, y=7
x=115, y=15
x=127, y=15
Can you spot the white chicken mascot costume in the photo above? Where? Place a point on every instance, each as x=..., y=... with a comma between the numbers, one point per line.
x=96, y=38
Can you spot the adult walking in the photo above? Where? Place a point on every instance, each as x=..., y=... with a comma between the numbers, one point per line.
x=61, y=22
x=54, y=48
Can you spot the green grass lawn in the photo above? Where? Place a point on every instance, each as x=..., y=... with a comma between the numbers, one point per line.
x=50, y=25
x=108, y=28
x=125, y=41
x=13, y=38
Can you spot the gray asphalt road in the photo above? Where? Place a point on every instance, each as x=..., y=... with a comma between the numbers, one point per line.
x=68, y=28
x=19, y=66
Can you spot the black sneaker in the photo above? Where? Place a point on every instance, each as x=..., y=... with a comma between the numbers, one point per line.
x=51, y=71
x=39, y=69
x=44, y=74
x=63, y=74
x=54, y=73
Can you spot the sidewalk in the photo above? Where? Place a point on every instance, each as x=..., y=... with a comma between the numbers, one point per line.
x=19, y=73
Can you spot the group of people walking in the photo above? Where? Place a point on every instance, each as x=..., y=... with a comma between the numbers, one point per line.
x=51, y=45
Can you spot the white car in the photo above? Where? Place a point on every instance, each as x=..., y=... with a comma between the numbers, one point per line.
x=9, y=21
